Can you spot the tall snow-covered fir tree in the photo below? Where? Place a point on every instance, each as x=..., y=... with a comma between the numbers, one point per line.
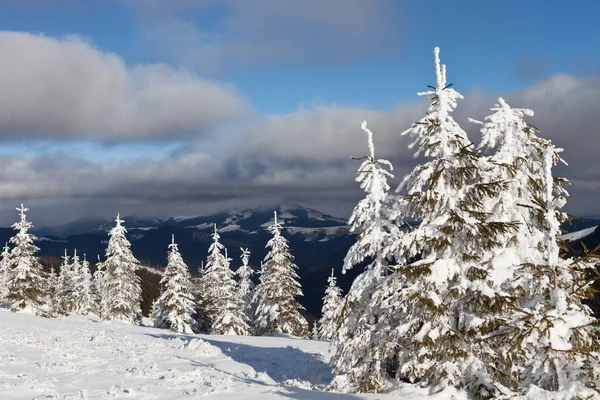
x=314, y=332
x=98, y=279
x=223, y=308
x=66, y=287
x=27, y=282
x=278, y=310
x=4, y=272
x=231, y=319
x=246, y=285
x=174, y=308
x=359, y=366
x=209, y=280
x=84, y=290
x=75, y=280
x=328, y=324
x=429, y=315
x=121, y=290
x=448, y=299
x=549, y=341
x=54, y=294
x=202, y=322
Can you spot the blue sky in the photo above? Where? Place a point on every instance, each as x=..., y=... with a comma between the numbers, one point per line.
x=492, y=42
x=261, y=91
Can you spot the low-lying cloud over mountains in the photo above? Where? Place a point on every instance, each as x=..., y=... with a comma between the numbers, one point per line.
x=196, y=144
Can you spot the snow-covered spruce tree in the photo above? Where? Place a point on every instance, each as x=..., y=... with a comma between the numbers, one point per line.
x=54, y=294
x=360, y=367
x=231, y=319
x=209, y=282
x=174, y=308
x=4, y=272
x=278, y=310
x=75, y=280
x=246, y=285
x=222, y=306
x=428, y=316
x=444, y=303
x=550, y=339
x=198, y=290
x=97, y=285
x=328, y=324
x=121, y=290
x=515, y=157
x=314, y=333
x=84, y=296
x=66, y=287
x=27, y=281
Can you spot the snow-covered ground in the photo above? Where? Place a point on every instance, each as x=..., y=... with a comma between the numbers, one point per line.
x=80, y=358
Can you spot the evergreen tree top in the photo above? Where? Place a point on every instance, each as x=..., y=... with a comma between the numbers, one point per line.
x=331, y=280
x=372, y=173
x=119, y=228
x=227, y=259
x=277, y=227
x=22, y=212
x=437, y=135
x=173, y=245
x=373, y=214
x=216, y=246
x=363, y=126
x=66, y=258
x=506, y=130
x=23, y=225
x=245, y=272
x=118, y=245
x=245, y=255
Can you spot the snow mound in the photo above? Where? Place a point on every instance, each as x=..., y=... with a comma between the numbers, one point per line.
x=199, y=346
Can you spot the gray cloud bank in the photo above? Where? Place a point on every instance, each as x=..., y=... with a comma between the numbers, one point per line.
x=256, y=32
x=65, y=89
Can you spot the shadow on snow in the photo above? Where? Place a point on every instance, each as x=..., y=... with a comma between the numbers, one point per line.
x=279, y=363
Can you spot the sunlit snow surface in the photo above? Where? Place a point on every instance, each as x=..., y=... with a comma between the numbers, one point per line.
x=80, y=358
x=579, y=234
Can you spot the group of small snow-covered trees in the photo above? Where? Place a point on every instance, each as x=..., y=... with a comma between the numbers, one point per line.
x=113, y=292
x=476, y=295
x=72, y=291
x=221, y=305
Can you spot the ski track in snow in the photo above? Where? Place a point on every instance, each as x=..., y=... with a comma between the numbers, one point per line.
x=80, y=358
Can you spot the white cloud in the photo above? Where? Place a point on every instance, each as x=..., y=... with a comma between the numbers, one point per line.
x=66, y=88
